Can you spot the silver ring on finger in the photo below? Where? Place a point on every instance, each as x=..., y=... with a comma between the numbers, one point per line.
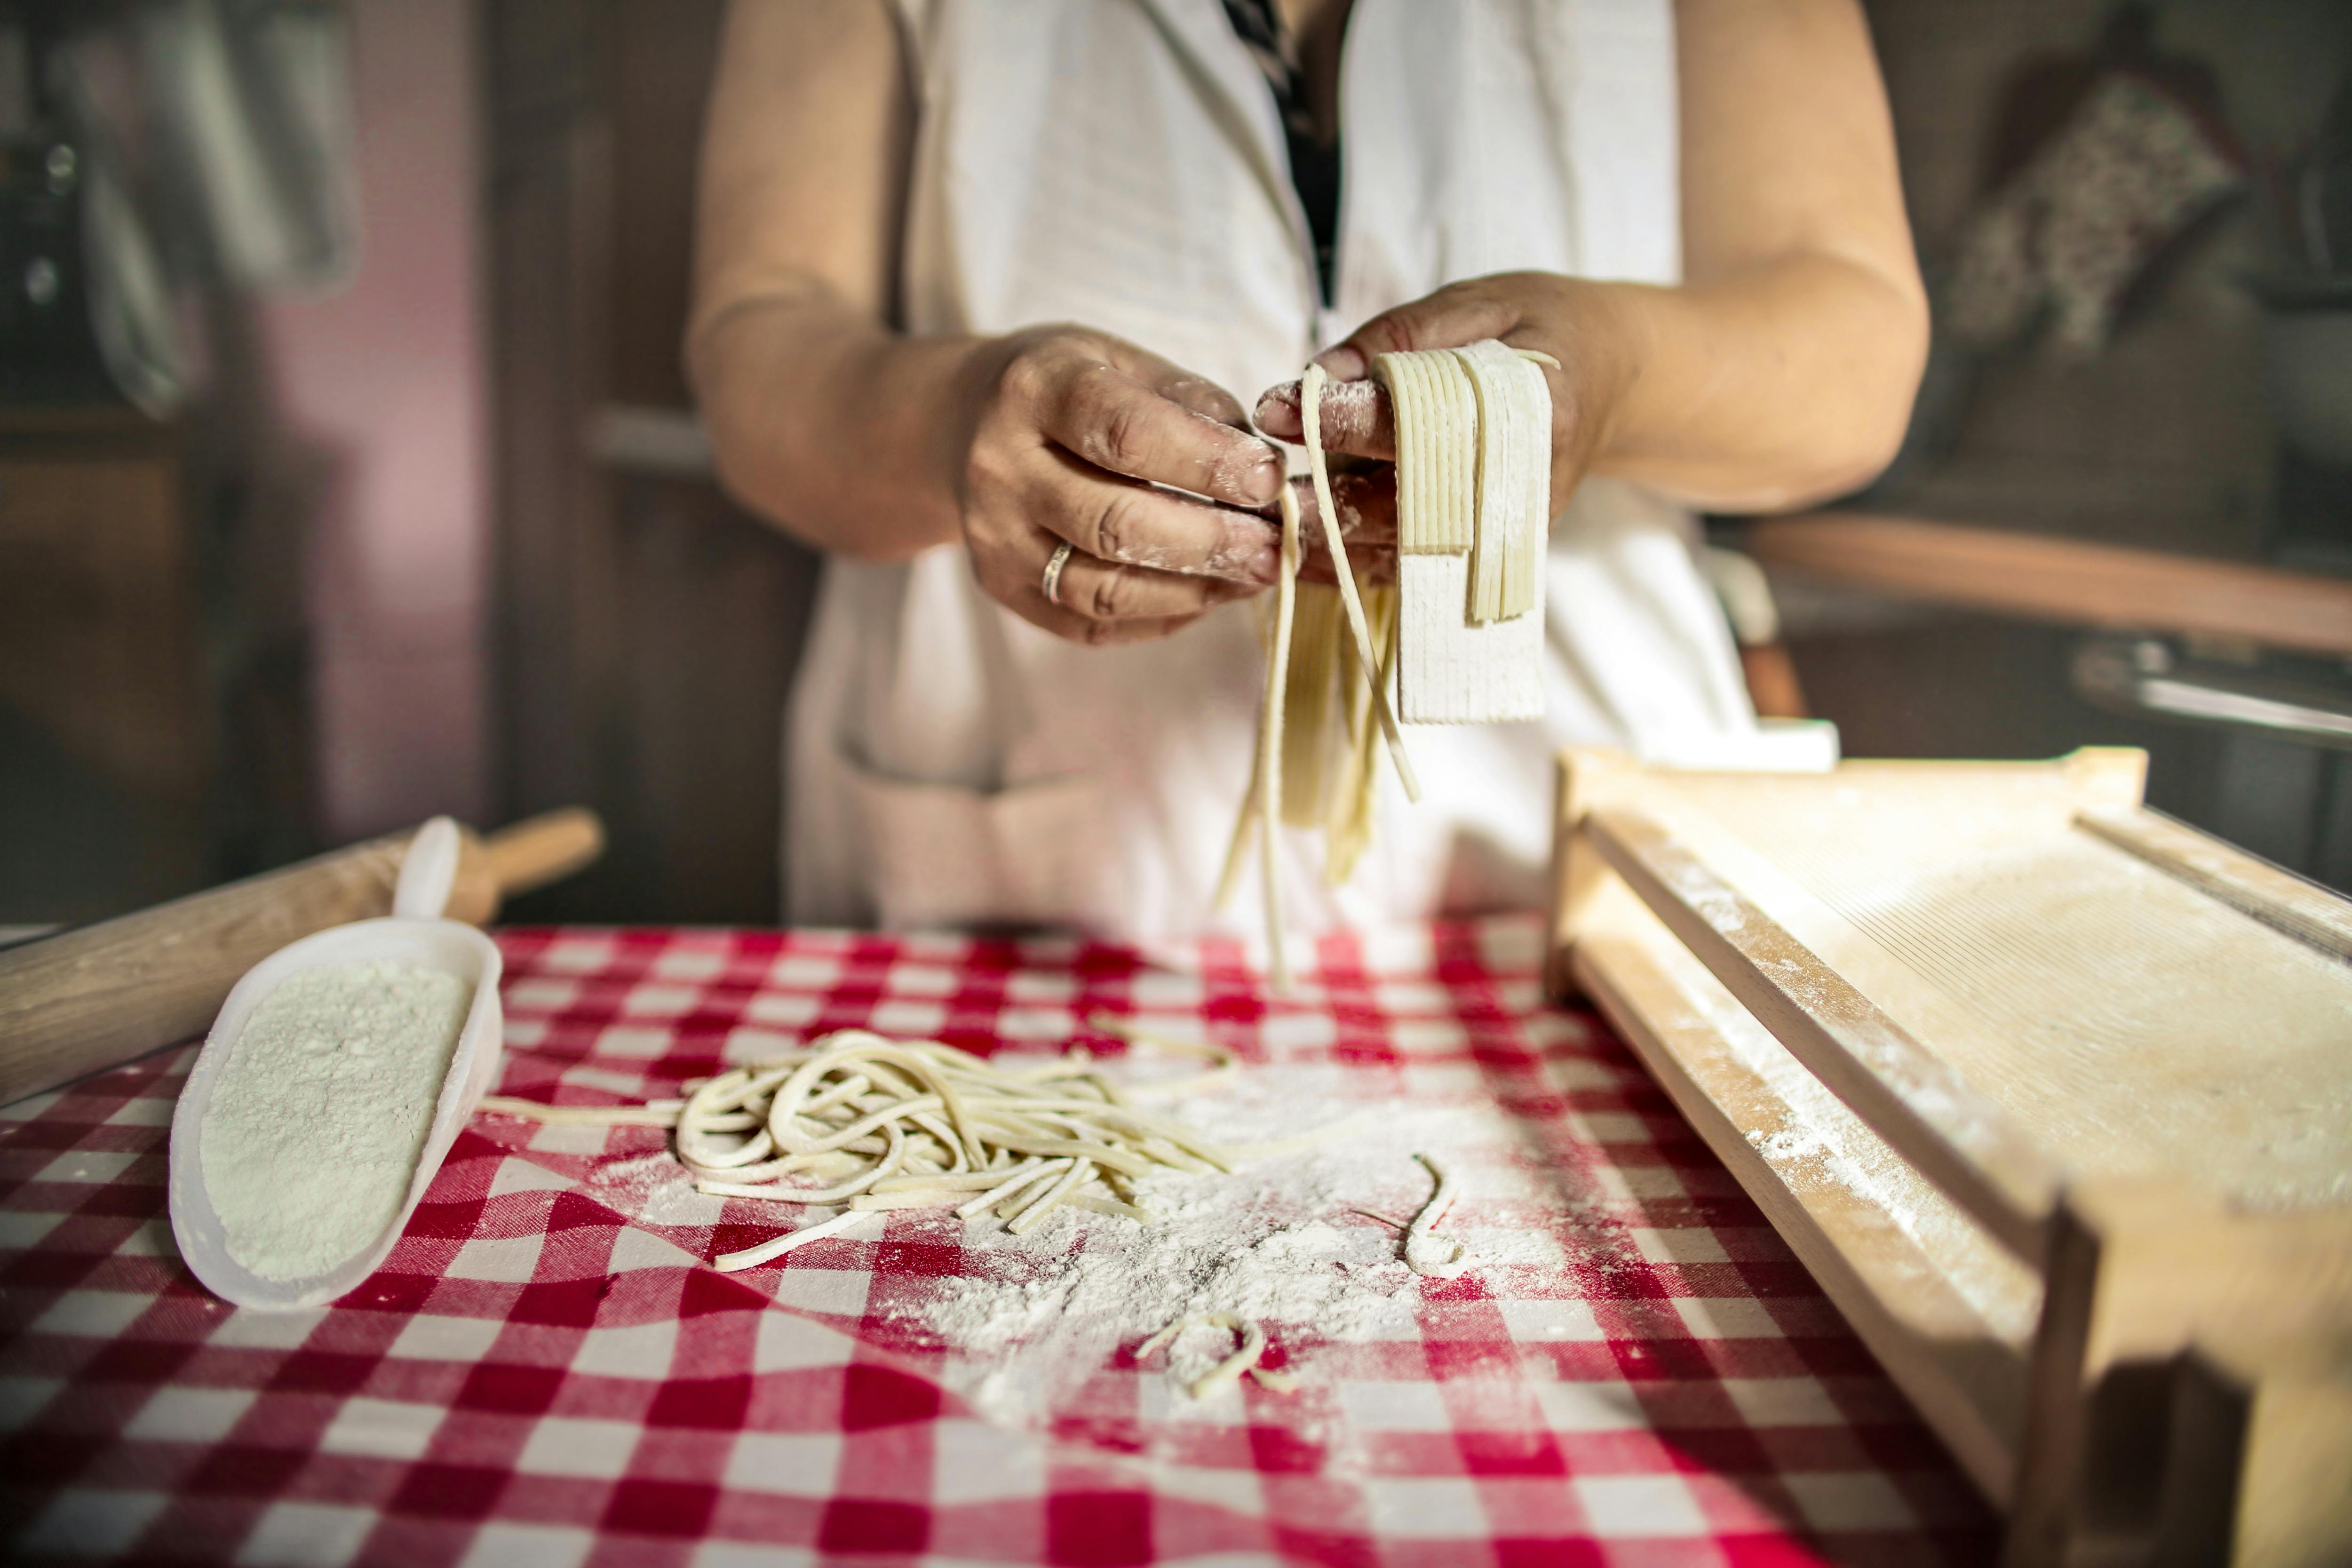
x=1053, y=584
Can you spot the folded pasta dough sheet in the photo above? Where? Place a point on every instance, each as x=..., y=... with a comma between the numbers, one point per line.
x=1474, y=462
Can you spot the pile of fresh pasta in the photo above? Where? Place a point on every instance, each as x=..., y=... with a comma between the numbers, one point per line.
x=874, y=1123
x=1458, y=639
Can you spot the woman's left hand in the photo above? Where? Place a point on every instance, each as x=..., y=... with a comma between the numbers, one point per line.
x=1575, y=322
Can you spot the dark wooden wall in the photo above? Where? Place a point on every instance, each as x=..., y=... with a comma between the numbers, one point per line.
x=112, y=788
x=646, y=626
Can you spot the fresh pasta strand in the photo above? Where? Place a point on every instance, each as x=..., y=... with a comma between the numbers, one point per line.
x=1245, y=1358
x=1424, y=1254
x=1513, y=461
x=1311, y=707
x=769, y=1251
x=1227, y=1062
x=1237, y=849
x=1319, y=468
x=1494, y=451
x=1269, y=805
x=1348, y=832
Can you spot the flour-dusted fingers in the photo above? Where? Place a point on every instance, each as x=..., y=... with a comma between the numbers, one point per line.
x=1081, y=440
x=1099, y=590
x=1134, y=524
x=1113, y=420
x=1358, y=418
x=1368, y=525
x=1178, y=385
x=1089, y=600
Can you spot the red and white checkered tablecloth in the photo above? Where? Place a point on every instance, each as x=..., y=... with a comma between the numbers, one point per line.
x=544, y=1373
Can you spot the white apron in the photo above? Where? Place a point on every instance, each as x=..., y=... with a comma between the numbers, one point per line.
x=1120, y=163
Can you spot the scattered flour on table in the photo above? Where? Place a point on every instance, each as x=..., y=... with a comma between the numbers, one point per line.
x=320, y=1115
x=1279, y=1242
x=1019, y=1322
x=656, y=1189
x=1038, y=1314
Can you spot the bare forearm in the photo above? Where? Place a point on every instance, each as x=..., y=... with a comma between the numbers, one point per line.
x=833, y=426
x=1786, y=385
x=1781, y=369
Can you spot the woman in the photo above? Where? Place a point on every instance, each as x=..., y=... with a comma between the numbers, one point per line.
x=1692, y=204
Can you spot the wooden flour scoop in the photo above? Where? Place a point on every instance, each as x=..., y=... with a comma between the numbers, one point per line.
x=93, y=997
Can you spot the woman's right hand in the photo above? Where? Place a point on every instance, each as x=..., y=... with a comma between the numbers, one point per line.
x=1070, y=435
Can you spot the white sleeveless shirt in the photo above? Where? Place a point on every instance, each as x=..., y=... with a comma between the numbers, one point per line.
x=1120, y=163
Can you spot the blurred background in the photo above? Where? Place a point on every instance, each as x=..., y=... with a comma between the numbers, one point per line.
x=347, y=473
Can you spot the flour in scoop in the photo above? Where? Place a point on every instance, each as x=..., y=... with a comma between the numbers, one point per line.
x=319, y=1118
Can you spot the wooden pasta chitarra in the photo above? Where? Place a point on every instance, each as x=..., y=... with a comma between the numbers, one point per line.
x=2053, y=1096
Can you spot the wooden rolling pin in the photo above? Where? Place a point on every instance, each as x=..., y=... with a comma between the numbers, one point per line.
x=100, y=995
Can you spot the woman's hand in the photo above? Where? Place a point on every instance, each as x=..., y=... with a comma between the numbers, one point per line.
x=869, y=442
x=1365, y=497
x=1072, y=433
x=1572, y=321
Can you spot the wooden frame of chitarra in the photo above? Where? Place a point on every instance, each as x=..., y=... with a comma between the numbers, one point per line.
x=2049, y=1092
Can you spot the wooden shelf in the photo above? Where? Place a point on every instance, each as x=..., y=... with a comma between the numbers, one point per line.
x=2039, y=577
x=78, y=421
